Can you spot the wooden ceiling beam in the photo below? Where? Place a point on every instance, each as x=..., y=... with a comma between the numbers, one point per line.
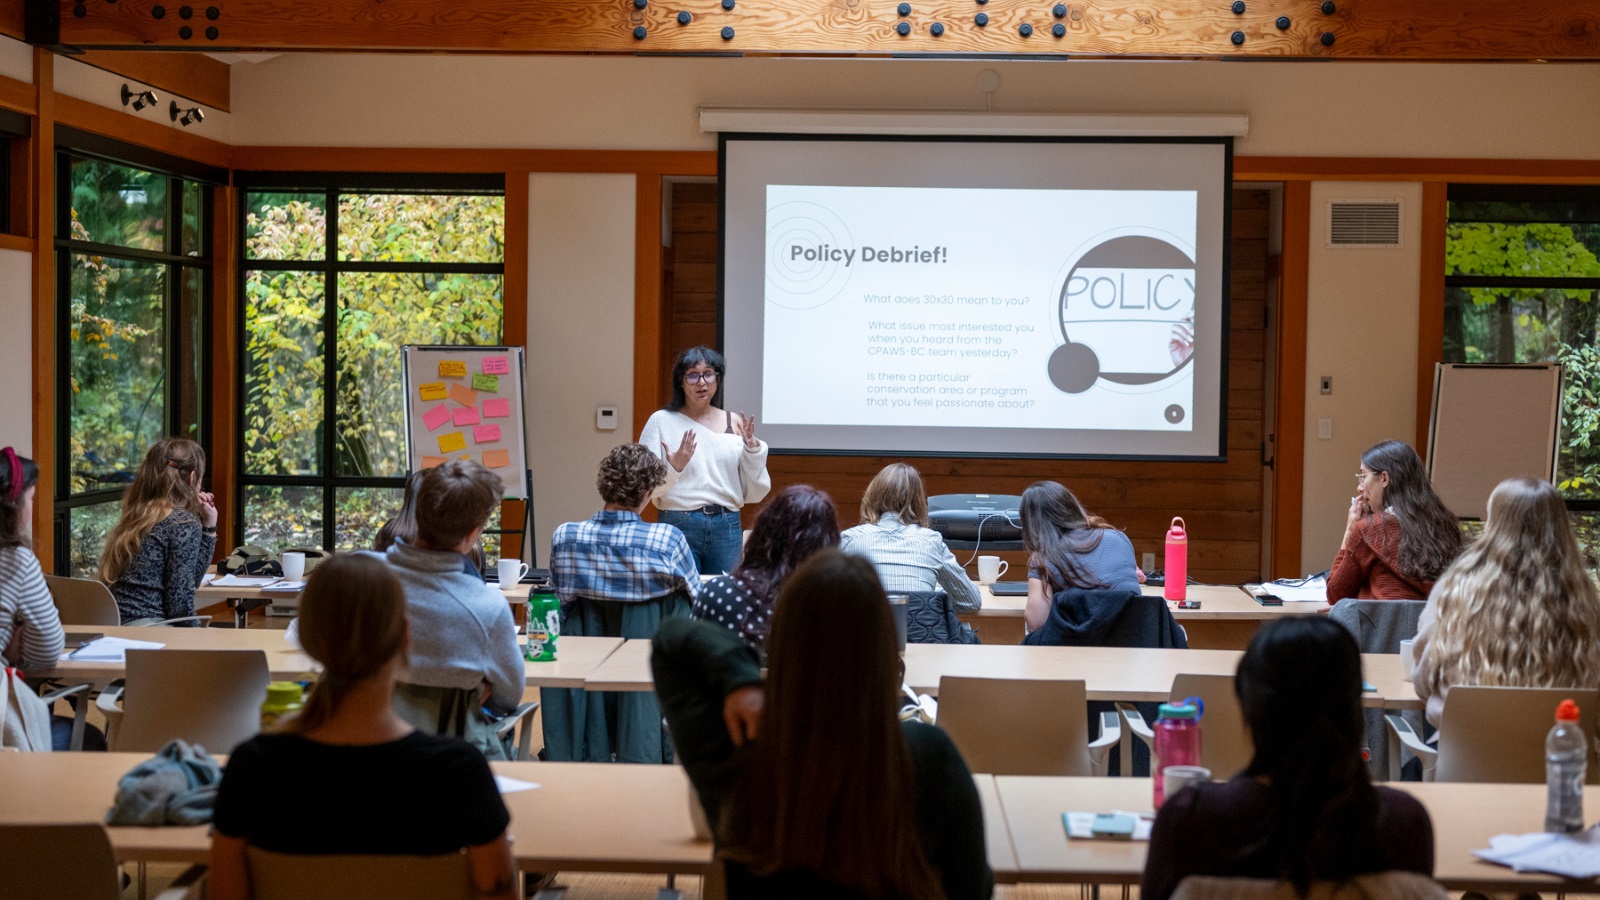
x=194, y=76
x=1310, y=29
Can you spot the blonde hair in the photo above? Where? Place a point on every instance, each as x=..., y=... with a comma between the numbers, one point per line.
x=1517, y=608
x=161, y=486
x=353, y=621
x=896, y=489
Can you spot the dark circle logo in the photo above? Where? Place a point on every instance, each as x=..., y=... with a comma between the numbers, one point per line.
x=1174, y=414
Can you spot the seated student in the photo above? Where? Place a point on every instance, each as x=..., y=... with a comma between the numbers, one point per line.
x=617, y=576
x=813, y=786
x=1399, y=536
x=1305, y=809
x=797, y=523
x=895, y=536
x=157, y=552
x=1516, y=609
x=464, y=652
x=1068, y=548
x=403, y=527
x=347, y=775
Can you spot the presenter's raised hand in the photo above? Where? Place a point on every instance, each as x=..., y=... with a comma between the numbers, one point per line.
x=679, y=458
x=747, y=430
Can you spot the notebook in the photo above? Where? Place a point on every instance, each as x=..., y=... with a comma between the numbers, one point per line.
x=1009, y=589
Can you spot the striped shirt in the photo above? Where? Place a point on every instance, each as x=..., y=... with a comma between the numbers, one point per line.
x=615, y=555
x=911, y=558
x=25, y=603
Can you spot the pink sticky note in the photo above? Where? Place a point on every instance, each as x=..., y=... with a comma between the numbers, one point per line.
x=496, y=409
x=483, y=434
x=437, y=416
x=496, y=365
x=467, y=416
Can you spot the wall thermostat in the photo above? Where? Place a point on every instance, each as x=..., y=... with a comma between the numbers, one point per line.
x=605, y=418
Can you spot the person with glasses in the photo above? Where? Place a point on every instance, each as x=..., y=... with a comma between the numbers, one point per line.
x=1399, y=536
x=715, y=462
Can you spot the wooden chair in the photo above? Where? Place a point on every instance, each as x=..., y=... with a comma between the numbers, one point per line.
x=284, y=876
x=1225, y=744
x=208, y=697
x=1494, y=734
x=84, y=601
x=1007, y=726
x=47, y=862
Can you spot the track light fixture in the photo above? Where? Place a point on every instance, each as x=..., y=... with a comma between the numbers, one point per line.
x=138, y=99
x=186, y=117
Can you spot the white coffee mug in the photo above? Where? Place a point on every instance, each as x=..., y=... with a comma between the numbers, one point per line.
x=990, y=568
x=1176, y=778
x=511, y=572
x=1408, y=659
x=294, y=566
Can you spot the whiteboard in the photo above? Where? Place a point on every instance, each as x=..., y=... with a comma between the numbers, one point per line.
x=1490, y=423
x=466, y=402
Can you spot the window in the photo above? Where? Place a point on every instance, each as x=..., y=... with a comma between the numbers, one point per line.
x=337, y=275
x=1521, y=285
x=133, y=300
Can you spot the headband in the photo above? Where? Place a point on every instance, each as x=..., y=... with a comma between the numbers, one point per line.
x=14, y=491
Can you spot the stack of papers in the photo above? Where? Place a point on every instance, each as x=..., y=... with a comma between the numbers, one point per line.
x=109, y=649
x=1567, y=855
x=508, y=785
x=249, y=581
x=1313, y=590
x=293, y=587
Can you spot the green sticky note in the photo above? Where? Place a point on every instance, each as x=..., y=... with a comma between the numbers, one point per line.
x=486, y=382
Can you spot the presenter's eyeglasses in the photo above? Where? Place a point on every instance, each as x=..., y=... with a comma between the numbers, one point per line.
x=701, y=377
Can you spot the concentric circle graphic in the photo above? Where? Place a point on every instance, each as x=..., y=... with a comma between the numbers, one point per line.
x=806, y=247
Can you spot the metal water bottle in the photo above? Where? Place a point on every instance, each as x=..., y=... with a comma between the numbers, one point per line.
x=1176, y=565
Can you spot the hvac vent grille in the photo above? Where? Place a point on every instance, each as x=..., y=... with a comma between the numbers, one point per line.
x=1364, y=223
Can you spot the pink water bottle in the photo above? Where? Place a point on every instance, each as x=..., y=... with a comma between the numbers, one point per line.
x=1176, y=565
x=1177, y=740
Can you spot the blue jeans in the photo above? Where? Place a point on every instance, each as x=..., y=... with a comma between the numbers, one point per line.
x=715, y=538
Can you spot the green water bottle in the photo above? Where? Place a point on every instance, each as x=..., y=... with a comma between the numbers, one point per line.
x=283, y=698
x=544, y=625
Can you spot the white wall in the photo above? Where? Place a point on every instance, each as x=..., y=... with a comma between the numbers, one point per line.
x=85, y=82
x=580, y=338
x=1362, y=330
x=16, y=350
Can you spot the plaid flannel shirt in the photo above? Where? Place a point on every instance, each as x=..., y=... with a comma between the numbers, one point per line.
x=615, y=555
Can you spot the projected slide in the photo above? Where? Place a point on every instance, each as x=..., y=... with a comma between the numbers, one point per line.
x=979, y=307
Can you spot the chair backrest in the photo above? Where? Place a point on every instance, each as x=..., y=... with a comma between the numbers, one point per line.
x=930, y=618
x=1008, y=726
x=83, y=601
x=208, y=697
x=45, y=862
x=1225, y=743
x=285, y=876
x=1496, y=734
x=1378, y=625
x=1389, y=885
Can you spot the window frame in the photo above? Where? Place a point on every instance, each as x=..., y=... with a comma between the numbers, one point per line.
x=331, y=185
x=71, y=145
x=1588, y=195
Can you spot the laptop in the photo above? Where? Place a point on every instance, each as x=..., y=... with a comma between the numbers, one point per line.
x=1009, y=589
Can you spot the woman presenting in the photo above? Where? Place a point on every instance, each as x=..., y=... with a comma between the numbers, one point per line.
x=715, y=463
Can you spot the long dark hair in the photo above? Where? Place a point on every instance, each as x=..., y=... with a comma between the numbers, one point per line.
x=1430, y=535
x=687, y=360
x=403, y=527
x=1299, y=685
x=13, y=530
x=1055, y=529
x=828, y=788
x=797, y=523
x=353, y=621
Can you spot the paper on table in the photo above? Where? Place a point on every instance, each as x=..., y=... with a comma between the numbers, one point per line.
x=289, y=586
x=1315, y=590
x=249, y=581
x=1080, y=825
x=109, y=649
x=1568, y=855
x=513, y=785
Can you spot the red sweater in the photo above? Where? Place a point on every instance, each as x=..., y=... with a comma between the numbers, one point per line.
x=1368, y=565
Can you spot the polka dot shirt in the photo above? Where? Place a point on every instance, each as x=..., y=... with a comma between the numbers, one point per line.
x=728, y=603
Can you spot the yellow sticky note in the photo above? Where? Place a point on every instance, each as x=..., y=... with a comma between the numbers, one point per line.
x=497, y=459
x=433, y=390
x=452, y=368
x=450, y=443
x=429, y=462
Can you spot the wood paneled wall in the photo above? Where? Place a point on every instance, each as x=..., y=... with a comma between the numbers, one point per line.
x=1220, y=502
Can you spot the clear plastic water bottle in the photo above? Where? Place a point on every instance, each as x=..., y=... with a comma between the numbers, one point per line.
x=1566, y=767
x=1177, y=740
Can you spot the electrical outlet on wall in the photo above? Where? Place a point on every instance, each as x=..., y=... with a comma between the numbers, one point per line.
x=1325, y=429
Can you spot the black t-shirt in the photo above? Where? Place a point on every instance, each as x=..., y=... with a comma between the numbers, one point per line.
x=420, y=795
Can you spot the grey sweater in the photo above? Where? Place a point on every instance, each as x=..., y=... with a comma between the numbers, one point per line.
x=461, y=628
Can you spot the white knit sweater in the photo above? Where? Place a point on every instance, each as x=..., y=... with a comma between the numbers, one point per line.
x=722, y=471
